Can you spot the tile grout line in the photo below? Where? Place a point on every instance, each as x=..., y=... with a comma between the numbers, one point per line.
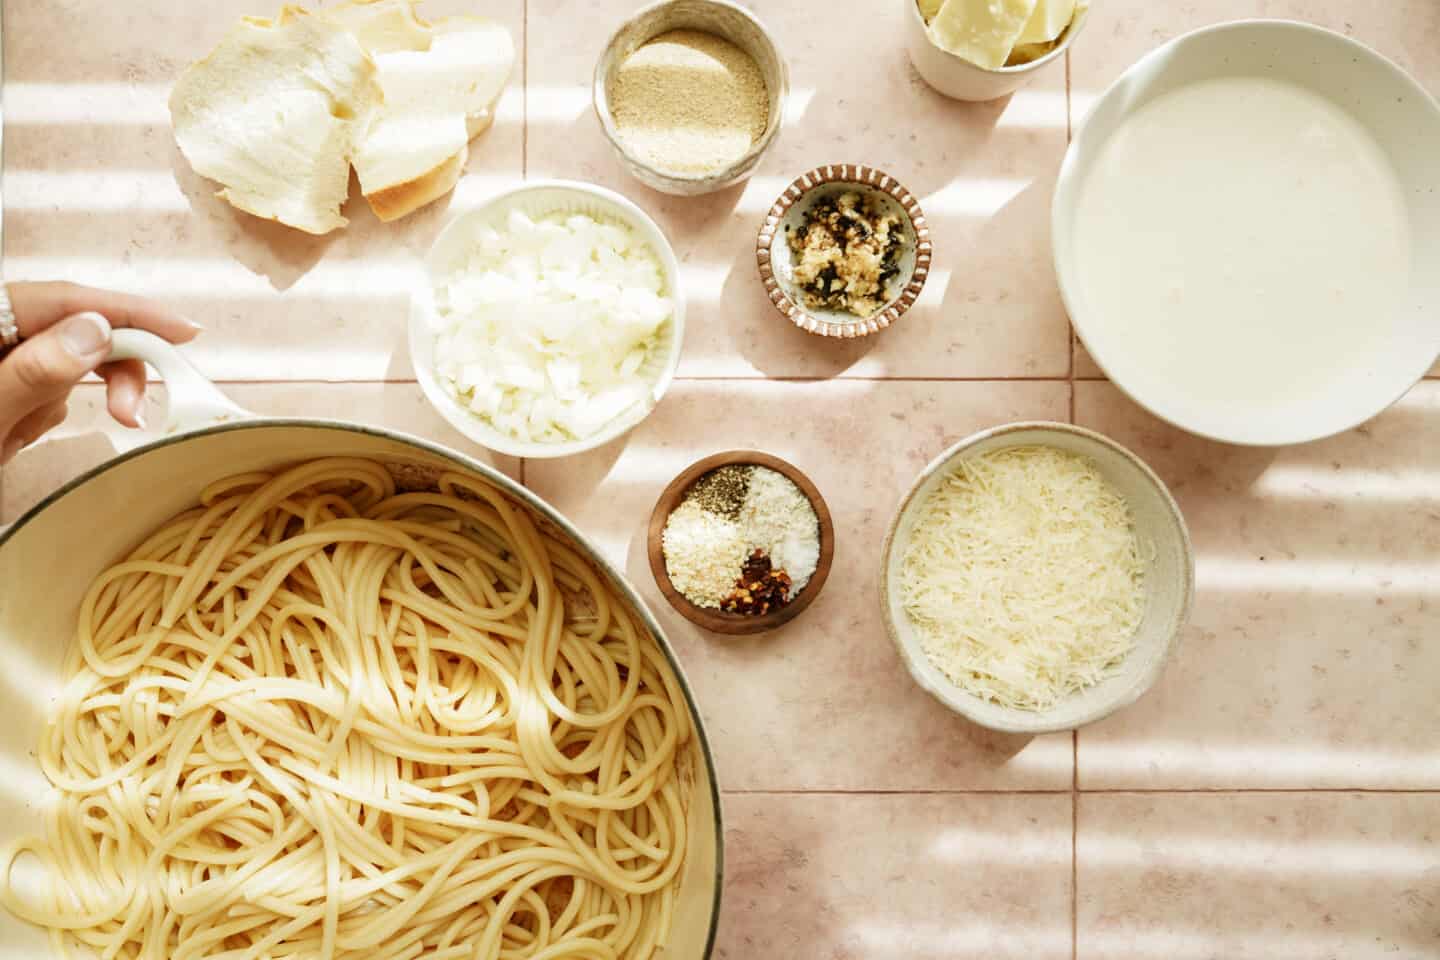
x=1074, y=734
x=1070, y=327
x=525, y=89
x=409, y=381
x=524, y=135
x=1229, y=791
x=1069, y=104
x=1057, y=792
x=403, y=381
x=816, y=379
x=1074, y=765
x=1072, y=791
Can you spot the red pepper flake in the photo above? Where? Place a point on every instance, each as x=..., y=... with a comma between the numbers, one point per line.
x=760, y=588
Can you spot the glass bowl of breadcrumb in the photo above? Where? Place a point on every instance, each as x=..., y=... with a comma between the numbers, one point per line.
x=691, y=94
x=845, y=251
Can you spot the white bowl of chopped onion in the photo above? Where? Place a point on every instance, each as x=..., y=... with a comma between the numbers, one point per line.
x=550, y=321
x=1036, y=577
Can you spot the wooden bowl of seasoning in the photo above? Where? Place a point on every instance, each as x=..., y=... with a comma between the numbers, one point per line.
x=845, y=251
x=691, y=94
x=741, y=542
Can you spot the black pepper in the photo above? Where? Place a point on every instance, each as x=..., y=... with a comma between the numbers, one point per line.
x=722, y=491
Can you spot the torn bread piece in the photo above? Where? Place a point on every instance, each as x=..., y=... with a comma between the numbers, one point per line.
x=440, y=82
x=382, y=26
x=275, y=114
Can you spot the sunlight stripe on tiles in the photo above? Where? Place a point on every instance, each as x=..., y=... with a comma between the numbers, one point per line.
x=147, y=104
x=1256, y=766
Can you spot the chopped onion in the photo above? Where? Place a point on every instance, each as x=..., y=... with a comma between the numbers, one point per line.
x=547, y=328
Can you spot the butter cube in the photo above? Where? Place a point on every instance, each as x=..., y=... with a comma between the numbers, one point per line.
x=982, y=31
x=1029, y=52
x=928, y=8
x=1049, y=20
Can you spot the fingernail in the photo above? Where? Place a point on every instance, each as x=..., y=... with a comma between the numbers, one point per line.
x=85, y=334
x=140, y=420
x=197, y=327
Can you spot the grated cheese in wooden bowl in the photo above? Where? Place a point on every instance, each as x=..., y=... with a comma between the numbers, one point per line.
x=1024, y=576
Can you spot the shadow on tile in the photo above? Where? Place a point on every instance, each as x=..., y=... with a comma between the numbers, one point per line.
x=1278, y=876
x=1022, y=319
x=1306, y=663
x=685, y=217
x=1182, y=460
x=920, y=877
x=978, y=121
x=281, y=254
x=679, y=217
x=399, y=367
x=588, y=470
x=774, y=342
x=41, y=469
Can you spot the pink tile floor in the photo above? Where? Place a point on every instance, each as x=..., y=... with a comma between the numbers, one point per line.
x=1277, y=795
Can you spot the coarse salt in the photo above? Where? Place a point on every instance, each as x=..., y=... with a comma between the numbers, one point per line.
x=777, y=518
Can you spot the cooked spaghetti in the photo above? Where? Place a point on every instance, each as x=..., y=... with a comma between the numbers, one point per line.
x=317, y=716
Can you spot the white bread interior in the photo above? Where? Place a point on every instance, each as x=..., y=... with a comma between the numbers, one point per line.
x=275, y=113
x=280, y=110
x=382, y=26
x=439, y=81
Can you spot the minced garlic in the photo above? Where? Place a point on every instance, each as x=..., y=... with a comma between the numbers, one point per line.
x=846, y=253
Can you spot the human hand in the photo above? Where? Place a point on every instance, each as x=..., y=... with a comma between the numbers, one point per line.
x=64, y=335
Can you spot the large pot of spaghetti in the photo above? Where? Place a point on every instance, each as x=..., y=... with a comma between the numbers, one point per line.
x=306, y=689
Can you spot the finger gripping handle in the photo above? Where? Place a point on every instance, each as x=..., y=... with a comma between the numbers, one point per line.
x=193, y=401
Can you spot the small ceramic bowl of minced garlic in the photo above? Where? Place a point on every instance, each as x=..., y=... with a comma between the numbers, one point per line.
x=845, y=251
x=691, y=94
x=741, y=542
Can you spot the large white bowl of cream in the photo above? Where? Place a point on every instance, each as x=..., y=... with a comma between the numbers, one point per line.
x=1247, y=232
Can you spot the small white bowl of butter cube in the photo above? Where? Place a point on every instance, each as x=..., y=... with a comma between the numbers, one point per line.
x=987, y=49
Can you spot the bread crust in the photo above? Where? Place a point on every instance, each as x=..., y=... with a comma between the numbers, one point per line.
x=402, y=199
x=390, y=202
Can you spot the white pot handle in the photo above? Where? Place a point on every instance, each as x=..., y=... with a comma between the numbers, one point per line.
x=194, y=401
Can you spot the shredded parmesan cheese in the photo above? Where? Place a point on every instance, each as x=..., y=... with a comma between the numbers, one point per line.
x=1023, y=576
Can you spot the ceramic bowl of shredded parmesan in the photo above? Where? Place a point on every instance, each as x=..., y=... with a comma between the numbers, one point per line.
x=1036, y=577
x=551, y=320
